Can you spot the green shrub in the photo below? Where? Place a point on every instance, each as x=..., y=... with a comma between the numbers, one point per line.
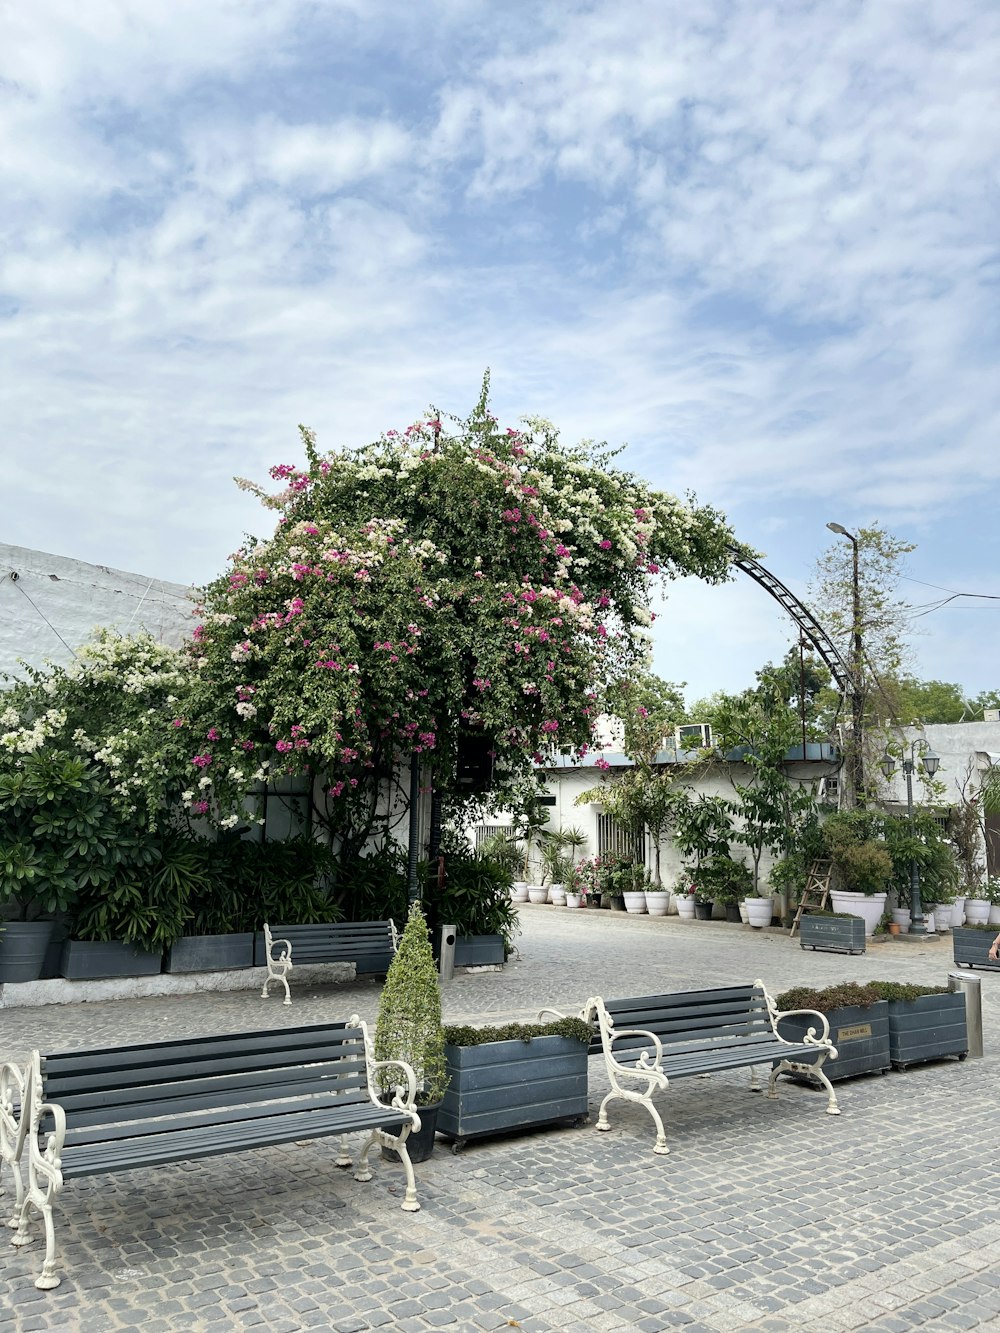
x=409, y=1023
x=843, y=995
x=574, y=1028
x=905, y=991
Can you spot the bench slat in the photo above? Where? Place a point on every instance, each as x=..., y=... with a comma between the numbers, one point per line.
x=185, y=1145
x=110, y=1079
x=170, y=1120
x=96, y=1108
x=284, y=1041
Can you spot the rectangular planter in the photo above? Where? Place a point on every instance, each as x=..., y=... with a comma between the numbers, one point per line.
x=861, y=1037
x=478, y=950
x=210, y=953
x=92, y=960
x=832, y=934
x=506, y=1085
x=971, y=947
x=927, y=1028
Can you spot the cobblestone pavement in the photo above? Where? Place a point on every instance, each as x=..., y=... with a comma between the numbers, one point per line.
x=766, y=1215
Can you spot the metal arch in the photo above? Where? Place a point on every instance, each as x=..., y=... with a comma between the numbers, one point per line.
x=802, y=616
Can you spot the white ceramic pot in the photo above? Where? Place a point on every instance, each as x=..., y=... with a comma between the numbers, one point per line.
x=869, y=906
x=759, y=911
x=995, y=914
x=901, y=917
x=557, y=895
x=635, y=902
x=958, y=912
x=977, y=911
x=519, y=891
x=657, y=902
x=537, y=893
x=574, y=900
x=743, y=913
x=937, y=918
x=685, y=907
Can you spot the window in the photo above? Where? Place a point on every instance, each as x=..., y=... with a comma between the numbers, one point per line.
x=286, y=806
x=613, y=836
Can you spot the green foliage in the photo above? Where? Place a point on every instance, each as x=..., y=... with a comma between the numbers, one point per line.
x=190, y=886
x=574, y=1028
x=59, y=831
x=373, y=887
x=702, y=825
x=720, y=879
x=842, y=995
x=797, y=682
x=928, y=701
x=758, y=728
x=902, y=991
x=475, y=895
x=409, y=1023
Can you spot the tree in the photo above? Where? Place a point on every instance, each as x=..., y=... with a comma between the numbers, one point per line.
x=801, y=682
x=880, y=626
x=455, y=584
x=649, y=708
x=927, y=701
x=760, y=728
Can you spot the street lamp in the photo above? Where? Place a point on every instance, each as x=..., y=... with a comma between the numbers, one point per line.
x=930, y=763
x=857, y=701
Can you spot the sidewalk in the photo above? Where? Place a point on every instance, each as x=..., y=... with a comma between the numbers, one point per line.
x=766, y=1214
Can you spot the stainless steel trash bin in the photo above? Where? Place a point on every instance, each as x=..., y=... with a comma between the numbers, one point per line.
x=449, y=934
x=969, y=985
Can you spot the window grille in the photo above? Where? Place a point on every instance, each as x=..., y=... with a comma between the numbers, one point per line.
x=613, y=836
x=484, y=831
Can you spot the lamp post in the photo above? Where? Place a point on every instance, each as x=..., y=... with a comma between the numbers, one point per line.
x=930, y=763
x=857, y=701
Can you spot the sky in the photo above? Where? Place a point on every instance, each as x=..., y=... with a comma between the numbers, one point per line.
x=758, y=244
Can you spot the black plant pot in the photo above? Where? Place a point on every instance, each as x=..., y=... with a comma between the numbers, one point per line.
x=91, y=960
x=419, y=1145
x=23, y=945
x=733, y=913
x=703, y=911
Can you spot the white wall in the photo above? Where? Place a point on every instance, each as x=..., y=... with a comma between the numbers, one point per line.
x=54, y=596
x=956, y=744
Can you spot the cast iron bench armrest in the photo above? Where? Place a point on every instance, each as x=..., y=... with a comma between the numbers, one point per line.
x=93, y=1112
x=643, y=1064
x=810, y=1036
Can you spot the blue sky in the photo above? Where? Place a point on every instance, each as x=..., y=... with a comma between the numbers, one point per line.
x=758, y=243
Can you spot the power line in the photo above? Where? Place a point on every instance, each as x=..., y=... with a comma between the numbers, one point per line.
x=14, y=576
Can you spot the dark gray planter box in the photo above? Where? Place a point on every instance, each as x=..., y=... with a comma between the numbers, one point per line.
x=861, y=1037
x=832, y=934
x=927, y=1028
x=478, y=950
x=971, y=947
x=210, y=953
x=91, y=960
x=507, y=1085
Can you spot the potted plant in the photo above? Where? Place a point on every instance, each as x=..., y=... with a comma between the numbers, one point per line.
x=409, y=1028
x=474, y=896
x=859, y=1025
x=515, y=1077
x=832, y=932
x=614, y=872
x=684, y=893
x=977, y=909
x=634, y=884
x=862, y=863
x=58, y=833
x=993, y=893
x=925, y=1022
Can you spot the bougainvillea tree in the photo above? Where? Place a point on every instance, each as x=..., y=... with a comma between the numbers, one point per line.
x=456, y=582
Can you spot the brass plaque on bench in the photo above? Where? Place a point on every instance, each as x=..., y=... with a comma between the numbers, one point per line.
x=855, y=1031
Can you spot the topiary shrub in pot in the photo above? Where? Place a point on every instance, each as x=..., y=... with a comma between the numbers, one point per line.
x=409, y=1028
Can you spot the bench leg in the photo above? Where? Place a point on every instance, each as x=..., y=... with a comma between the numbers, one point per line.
x=810, y=1071
x=398, y=1145
x=344, y=1158
x=603, y=1124
x=48, y=1279
x=284, y=982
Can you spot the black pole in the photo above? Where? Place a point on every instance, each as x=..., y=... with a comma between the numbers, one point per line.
x=858, y=703
x=802, y=690
x=412, y=889
x=917, y=924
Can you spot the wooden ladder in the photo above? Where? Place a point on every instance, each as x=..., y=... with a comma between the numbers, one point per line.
x=815, y=894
